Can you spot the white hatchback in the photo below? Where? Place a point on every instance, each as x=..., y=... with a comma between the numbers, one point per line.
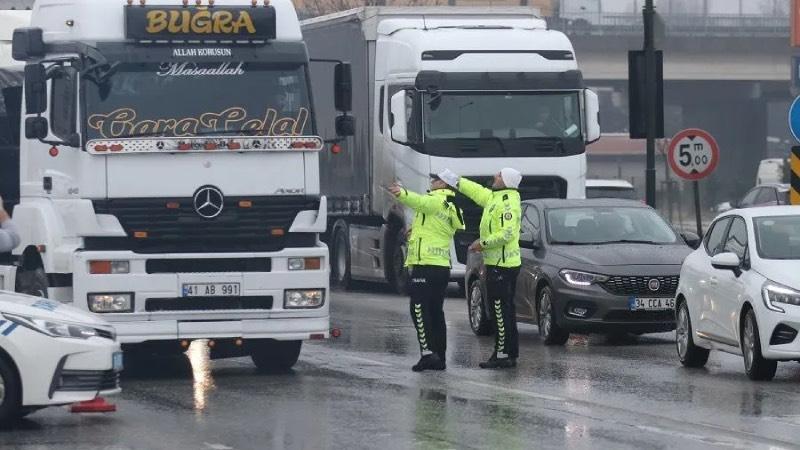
x=740, y=291
x=53, y=354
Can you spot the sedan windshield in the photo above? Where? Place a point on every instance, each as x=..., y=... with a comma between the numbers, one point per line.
x=607, y=225
x=778, y=237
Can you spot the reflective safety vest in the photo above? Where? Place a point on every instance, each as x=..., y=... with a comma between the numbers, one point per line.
x=436, y=220
x=500, y=222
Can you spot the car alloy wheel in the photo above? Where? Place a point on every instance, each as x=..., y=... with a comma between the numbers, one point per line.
x=757, y=367
x=2, y=390
x=475, y=306
x=682, y=332
x=748, y=344
x=545, y=314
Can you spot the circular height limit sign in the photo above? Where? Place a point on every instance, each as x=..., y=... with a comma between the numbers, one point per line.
x=693, y=154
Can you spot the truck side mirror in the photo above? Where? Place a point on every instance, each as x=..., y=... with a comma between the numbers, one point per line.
x=345, y=126
x=27, y=43
x=343, y=87
x=591, y=111
x=36, y=128
x=35, y=89
x=399, y=118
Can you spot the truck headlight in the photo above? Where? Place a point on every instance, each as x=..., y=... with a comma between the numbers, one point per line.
x=303, y=299
x=305, y=264
x=53, y=328
x=583, y=279
x=775, y=294
x=111, y=303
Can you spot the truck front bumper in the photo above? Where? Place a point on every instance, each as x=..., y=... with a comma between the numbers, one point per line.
x=162, y=312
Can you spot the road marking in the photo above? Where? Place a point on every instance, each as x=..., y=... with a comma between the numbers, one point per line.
x=217, y=446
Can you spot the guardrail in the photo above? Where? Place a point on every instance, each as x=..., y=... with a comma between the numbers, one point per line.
x=674, y=25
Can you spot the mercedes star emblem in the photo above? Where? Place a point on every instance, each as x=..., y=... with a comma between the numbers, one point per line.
x=654, y=285
x=208, y=202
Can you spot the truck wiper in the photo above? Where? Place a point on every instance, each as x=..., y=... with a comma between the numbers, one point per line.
x=630, y=241
x=572, y=243
x=496, y=139
x=204, y=133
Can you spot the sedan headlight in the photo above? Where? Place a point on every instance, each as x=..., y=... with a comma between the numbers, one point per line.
x=304, y=299
x=775, y=294
x=53, y=328
x=578, y=278
x=111, y=303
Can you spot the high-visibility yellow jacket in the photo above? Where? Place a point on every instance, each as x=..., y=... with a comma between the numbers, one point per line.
x=500, y=222
x=436, y=221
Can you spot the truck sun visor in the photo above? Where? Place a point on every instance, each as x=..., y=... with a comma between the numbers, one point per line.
x=511, y=81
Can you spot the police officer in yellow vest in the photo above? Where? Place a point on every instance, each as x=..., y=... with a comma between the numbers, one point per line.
x=499, y=243
x=436, y=220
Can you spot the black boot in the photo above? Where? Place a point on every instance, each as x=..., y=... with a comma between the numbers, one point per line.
x=499, y=363
x=429, y=362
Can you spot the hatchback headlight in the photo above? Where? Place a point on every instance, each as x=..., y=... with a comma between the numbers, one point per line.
x=775, y=294
x=578, y=278
x=111, y=303
x=53, y=328
x=304, y=299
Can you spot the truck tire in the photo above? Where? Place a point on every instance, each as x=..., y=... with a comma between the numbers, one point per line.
x=10, y=393
x=271, y=356
x=340, y=266
x=398, y=275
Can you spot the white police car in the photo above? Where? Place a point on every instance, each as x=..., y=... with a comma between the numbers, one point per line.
x=53, y=354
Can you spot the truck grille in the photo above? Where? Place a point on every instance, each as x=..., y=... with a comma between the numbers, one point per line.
x=530, y=188
x=208, y=265
x=639, y=285
x=179, y=229
x=207, y=303
x=88, y=380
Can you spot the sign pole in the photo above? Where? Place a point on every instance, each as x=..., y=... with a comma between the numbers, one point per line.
x=697, y=213
x=650, y=101
x=794, y=193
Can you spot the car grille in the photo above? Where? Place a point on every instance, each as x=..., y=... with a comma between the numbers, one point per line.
x=181, y=229
x=88, y=380
x=530, y=188
x=208, y=303
x=208, y=265
x=640, y=316
x=639, y=285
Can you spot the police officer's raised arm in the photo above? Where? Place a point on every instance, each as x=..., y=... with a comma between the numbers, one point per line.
x=422, y=203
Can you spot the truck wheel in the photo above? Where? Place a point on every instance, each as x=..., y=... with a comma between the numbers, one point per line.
x=340, y=269
x=398, y=273
x=10, y=393
x=271, y=356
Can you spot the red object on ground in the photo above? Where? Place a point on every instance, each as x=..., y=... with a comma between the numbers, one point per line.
x=98, y=405
x=336, y=332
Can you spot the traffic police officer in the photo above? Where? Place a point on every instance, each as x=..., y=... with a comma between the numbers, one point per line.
x=499, y=243
x=436, y=220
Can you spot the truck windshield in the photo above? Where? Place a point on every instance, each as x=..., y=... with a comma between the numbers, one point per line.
x=507, y=118
x=178, y=99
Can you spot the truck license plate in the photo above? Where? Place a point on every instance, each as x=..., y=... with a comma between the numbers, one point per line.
x=651, y=304
x=211, y=289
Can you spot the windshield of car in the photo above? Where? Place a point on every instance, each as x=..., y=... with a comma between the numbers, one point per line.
x=607, y=225
x=177, y=99
x=778, y=237
x=611, y=192
x=509, y=115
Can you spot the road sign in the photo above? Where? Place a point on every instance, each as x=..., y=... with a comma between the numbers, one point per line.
x=693, y=154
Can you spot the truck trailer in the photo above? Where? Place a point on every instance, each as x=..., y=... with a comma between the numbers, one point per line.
x=169, y=173
x=473, y=89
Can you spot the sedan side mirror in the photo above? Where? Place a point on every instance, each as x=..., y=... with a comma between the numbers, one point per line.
x=692, y=239
x=530, y=241
x=727, y=261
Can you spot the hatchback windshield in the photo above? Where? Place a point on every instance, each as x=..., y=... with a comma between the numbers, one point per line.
x=778, y=237
x=606, y=225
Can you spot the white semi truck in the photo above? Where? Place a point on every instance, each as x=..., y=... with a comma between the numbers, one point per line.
x=169, y=172
x=470, y=89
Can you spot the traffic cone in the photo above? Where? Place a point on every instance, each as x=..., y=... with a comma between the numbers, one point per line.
x=98, y=405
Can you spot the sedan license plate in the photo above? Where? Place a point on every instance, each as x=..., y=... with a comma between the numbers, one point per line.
x=211, y=289
x=651, y=304
x=116, y=362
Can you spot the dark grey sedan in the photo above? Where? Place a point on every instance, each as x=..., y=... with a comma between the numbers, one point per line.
x=590, y=266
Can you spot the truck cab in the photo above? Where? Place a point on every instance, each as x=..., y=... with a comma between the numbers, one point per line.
x=169, y=172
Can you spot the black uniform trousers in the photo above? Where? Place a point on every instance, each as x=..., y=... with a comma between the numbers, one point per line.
x=427, y=289
x=501, y=284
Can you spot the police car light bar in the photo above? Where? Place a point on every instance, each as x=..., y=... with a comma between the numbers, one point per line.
x=241, y=144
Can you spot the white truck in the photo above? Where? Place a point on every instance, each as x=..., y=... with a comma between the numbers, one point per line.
x=169, y=172
x=470, y=89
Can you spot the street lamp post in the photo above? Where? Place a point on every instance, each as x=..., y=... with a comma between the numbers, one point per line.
x=650, y=101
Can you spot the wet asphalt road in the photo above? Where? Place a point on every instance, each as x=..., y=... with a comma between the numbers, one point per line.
x=358, y=392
